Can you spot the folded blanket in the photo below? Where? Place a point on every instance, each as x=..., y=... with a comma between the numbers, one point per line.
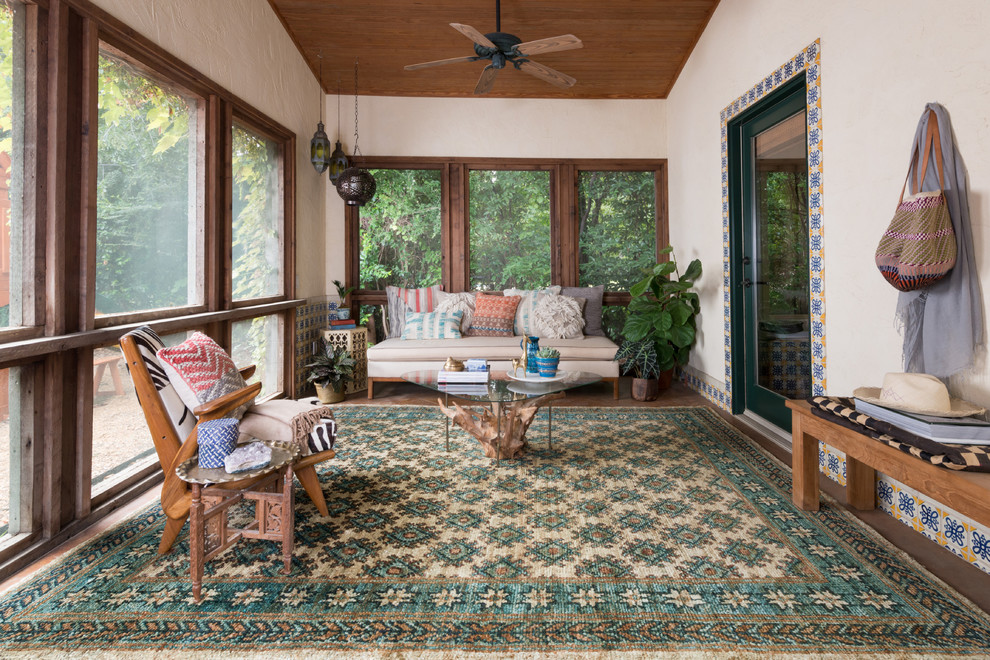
x=307, y=423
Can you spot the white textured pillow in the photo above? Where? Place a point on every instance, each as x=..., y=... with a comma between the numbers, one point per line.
x=559, y=317
x=530, y=298
x=457, y=302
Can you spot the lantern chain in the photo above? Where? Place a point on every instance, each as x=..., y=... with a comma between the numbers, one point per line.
x=357, y=151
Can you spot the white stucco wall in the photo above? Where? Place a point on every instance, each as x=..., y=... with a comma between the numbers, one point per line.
x=241, y=45
x=505, y=128
x=881, y=61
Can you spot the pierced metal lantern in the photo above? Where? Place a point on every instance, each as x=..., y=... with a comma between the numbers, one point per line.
x=338, y=163
x=356, y=186
x=319, y=149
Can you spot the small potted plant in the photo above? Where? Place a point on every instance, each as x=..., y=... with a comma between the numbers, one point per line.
x=547, y=359
x=343, y=312
x=660, y=327
x=331, y=370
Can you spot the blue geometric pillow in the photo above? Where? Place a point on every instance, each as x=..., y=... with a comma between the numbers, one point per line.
x=433, y=325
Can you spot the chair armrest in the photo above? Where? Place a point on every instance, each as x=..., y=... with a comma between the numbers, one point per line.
x=219, y=407
x=247, y=371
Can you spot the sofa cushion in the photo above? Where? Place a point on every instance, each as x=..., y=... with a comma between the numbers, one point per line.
x=557, y=317
x=493, y=316
x=457, y=302
x=491, y=348
x=592, y=310
x=524, y=323
x=401, y=300
x=432, y=325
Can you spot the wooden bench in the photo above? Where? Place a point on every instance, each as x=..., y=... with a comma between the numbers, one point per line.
x=968, y=493
x=101, y=364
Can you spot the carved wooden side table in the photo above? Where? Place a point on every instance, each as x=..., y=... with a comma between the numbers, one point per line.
x=210, y=532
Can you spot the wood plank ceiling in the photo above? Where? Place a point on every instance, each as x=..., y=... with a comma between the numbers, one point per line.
x=633, y=49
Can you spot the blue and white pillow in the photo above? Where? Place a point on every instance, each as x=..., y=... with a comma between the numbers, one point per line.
x=433, y=325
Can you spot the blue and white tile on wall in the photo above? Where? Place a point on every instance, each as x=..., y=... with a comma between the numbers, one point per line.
x=809, y=62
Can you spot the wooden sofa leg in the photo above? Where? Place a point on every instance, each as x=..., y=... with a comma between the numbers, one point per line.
x=311, y=482
x=172, y=528
x=615, y=388
x=371, y=388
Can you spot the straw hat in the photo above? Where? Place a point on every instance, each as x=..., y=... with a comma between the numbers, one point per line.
x=917, y=393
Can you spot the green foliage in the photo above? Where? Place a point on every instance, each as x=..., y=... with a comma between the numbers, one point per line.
x=8, y=69
x=663, y=312
x=342, y=291
x=257, y=215
x=332, y=367
x=617, y=214
x=783, y=200
x=548, y=352
x=400, y=230
x=510, y=229
x=640, y=358
x=143, y=209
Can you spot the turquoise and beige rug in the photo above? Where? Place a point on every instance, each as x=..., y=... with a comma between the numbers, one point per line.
x=644, y=532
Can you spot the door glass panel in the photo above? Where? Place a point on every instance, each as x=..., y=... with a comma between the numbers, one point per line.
x=510, y=229
x=781, y=267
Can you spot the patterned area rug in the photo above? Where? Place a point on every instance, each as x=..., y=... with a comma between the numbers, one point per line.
x=642, y=532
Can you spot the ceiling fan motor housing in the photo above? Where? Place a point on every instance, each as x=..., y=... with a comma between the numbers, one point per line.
x=506, y=43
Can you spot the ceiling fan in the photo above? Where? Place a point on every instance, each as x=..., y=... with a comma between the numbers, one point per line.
x=502, y=48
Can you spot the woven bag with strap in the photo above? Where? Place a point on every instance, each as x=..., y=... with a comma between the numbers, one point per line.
x=919, y=246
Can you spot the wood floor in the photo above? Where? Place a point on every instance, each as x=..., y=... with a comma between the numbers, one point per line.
x=965, y=578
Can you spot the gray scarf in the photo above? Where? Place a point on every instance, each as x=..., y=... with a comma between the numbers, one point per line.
x=943, y=323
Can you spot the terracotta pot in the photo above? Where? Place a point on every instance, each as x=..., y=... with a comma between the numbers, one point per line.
x=665, y=379
x=645, y=389
x=328, y=394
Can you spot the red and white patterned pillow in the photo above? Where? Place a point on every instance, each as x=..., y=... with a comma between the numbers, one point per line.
x=201, y=371
x=401, y=301
x=493, y=316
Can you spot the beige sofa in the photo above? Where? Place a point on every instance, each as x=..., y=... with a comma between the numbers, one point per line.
x=388, y=360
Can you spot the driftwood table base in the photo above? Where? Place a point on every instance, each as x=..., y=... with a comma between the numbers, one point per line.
x=501, y=429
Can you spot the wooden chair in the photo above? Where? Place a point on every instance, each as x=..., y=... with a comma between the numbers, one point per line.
x=169, y=421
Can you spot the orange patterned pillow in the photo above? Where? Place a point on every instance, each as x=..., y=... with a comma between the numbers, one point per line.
x=493, y=316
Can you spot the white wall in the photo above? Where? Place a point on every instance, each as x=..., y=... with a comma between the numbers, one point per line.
x=881, y=61
x=510, y=128
x=241, y=45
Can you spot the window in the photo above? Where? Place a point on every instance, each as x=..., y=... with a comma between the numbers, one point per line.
x=11, y=171
x=257, y=342
x=400, y=230
x=510, y=229
x=148, y=208
x=257, y=215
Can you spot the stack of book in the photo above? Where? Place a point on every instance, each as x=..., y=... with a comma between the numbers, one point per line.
x=342, y=324
x=464, y=389
x=474, y=372
x=947, y=430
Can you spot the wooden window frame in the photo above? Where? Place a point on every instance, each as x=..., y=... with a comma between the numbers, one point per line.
x=454, y=216
x=55, y=349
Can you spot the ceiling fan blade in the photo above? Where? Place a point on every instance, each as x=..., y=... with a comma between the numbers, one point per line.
x=451, y=60
x=474, y=35
x=487, y=80
x=542, y=72
x=550, y=45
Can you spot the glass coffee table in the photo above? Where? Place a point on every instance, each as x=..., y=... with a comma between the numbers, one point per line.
x=508, y=406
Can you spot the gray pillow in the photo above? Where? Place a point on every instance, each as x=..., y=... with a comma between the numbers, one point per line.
x=592, y=310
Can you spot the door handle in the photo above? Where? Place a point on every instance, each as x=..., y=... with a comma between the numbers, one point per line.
x=748, y=283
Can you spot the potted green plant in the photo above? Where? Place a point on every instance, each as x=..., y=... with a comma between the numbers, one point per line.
x=660, y=326
x=343, y=312
x=331, y=370
x=547, y=359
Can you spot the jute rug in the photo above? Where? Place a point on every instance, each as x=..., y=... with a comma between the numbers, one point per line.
x=642, y=533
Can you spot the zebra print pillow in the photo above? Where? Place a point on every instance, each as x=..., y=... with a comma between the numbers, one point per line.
x=149, y=343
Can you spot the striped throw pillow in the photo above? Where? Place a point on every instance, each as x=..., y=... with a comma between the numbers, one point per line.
x=493, y=316
x=524, y=323
x=433, y=325
x=401, y=301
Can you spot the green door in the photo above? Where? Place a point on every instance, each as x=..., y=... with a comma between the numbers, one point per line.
x=770, y=295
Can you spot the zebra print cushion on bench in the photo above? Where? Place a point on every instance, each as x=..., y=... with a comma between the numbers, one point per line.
x=149, y=343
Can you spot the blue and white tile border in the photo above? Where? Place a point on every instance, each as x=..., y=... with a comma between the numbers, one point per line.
x=808, y=61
